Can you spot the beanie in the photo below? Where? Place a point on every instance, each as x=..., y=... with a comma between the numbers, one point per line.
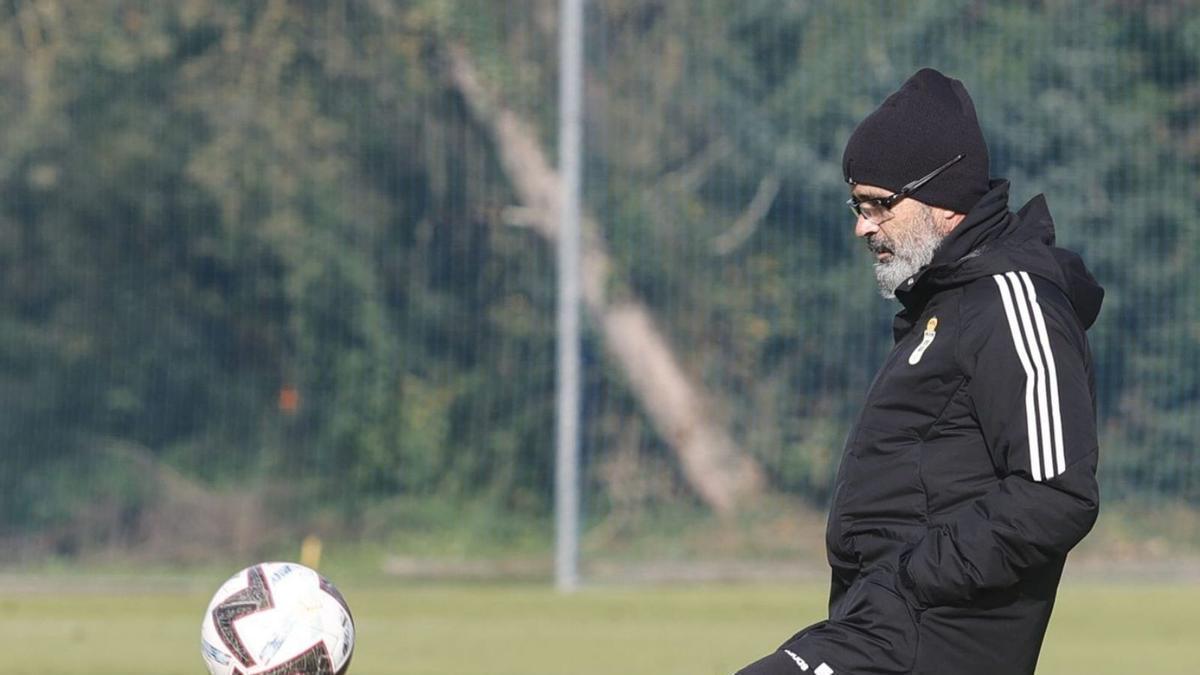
x=929, y=121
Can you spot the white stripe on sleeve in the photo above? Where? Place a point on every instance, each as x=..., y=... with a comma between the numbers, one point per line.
x=1039, y=367
x=1055, y=411
x=1035, y=463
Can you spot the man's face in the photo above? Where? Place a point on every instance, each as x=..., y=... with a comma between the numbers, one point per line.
x=901, y=245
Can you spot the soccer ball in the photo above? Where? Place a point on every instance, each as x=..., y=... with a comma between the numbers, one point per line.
x=277, y=618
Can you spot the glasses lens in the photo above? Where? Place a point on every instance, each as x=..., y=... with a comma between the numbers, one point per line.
x=874, y=212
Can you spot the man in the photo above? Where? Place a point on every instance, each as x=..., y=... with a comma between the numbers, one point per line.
x=970, y=472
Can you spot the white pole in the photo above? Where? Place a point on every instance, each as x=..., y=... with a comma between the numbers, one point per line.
x=566, y=492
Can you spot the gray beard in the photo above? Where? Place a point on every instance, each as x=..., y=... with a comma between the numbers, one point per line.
x=910, y=252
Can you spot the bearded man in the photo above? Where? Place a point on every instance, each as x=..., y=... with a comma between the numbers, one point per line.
x=971, y=469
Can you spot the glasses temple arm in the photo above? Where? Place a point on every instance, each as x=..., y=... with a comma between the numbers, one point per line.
x=911, y=187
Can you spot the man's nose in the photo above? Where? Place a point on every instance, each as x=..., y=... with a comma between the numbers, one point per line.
x=864, y=227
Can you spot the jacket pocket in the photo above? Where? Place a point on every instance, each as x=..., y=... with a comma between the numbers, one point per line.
x=882, y=621
x=881, y=504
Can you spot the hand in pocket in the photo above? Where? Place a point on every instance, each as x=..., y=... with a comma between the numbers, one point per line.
x=879, y=625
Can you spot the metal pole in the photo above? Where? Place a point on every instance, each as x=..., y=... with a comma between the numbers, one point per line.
x=566, y=492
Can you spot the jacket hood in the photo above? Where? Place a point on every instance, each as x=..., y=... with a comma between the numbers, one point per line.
x=993, y=240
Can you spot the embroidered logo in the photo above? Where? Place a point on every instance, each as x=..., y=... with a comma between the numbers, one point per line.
x=930, y=333
x=799, y=661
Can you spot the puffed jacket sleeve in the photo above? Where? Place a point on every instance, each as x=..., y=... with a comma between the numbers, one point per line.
x=1031, y=387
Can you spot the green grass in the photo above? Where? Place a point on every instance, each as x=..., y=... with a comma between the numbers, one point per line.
x=513, y=629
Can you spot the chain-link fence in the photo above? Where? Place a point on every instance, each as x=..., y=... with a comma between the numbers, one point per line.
x=279, y=268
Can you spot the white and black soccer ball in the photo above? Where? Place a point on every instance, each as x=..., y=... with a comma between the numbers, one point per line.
x=277, y=618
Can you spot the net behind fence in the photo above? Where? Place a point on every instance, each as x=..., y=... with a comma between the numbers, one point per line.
x=272, y=269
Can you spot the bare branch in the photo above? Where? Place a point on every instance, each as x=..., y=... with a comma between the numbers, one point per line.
x=720, y=472
x=726, y=242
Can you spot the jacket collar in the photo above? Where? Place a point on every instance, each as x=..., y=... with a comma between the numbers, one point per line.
x=993, y=240
x=987, y=222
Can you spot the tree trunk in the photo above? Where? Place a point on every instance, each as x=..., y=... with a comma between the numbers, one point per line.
x=716, y=468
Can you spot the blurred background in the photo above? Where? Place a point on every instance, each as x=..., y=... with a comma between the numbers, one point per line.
x=283, y=269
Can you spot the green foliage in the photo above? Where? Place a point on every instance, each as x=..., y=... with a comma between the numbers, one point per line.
x=210, y=206
x=706, y=101
x=227, y=203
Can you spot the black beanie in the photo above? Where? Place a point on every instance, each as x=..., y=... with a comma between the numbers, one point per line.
x=925, y=124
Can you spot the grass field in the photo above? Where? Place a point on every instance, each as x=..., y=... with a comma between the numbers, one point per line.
x=515, y=629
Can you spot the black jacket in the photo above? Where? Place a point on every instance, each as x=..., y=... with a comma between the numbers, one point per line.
x=971, y=470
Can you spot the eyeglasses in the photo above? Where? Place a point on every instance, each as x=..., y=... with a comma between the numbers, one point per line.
x=878, y=210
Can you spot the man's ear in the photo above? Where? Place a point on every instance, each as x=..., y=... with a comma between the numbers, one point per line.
x=948, y=218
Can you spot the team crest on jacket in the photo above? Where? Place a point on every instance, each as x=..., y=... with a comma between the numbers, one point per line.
x=930, y=334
